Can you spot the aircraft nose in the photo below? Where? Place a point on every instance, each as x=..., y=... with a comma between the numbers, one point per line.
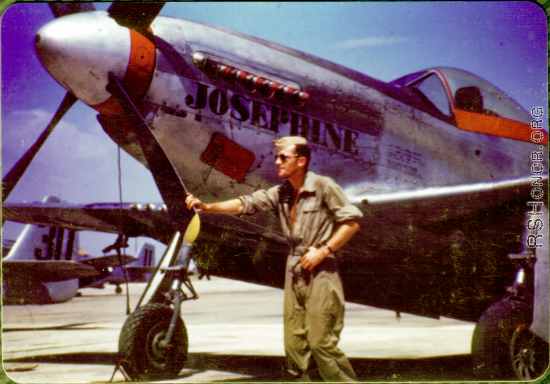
x=80, y=50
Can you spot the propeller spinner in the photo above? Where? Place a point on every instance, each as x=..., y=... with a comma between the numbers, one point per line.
x=107, y=59
x=80, y=48
x=79, y=51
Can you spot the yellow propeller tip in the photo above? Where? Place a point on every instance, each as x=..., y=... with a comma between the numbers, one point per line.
x=193, y=230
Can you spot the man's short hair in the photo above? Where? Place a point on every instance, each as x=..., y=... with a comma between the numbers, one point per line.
x=303, y=150
x=286, y=141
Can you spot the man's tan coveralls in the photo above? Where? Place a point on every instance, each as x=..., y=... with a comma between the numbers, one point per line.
x=314, y=300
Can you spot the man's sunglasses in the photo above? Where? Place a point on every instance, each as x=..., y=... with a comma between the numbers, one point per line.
x=284, y=158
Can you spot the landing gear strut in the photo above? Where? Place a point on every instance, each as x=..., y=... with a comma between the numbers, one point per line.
x=153, y=342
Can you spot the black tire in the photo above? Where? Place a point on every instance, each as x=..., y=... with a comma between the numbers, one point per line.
x=492, y=339
x=142, y=357
x=529, y=354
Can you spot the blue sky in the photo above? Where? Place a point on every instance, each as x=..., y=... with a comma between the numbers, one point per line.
x=503, y=42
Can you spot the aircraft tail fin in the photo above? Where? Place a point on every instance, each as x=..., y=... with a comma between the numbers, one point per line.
x=146, y=256
x=146, y=262
x=40, y=243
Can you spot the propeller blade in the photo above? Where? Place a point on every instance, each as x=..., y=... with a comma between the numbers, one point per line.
x=168, y=181
x=136, y=16
x=12, y=177
x=66, y=8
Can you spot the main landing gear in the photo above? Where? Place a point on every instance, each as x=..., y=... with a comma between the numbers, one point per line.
x=153, y=343
x=503, y=347
x=144, y=347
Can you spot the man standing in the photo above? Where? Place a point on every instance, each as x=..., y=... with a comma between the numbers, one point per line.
x=317, y=219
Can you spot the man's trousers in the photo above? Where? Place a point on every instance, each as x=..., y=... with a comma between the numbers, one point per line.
x=314, y=318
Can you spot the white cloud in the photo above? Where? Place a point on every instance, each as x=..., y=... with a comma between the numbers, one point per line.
x=369, y=42
x=22, y=128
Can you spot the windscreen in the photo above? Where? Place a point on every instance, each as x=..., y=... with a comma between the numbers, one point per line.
x=474, y=94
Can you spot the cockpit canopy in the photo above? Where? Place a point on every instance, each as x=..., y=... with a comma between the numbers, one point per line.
x=475, y=104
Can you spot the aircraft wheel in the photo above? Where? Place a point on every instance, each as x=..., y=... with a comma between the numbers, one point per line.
x=492, y=339
x=118, y=289
x=529, y=354
x=143, y=356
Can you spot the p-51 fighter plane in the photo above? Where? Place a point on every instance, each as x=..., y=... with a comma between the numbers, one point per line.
x=450, y=173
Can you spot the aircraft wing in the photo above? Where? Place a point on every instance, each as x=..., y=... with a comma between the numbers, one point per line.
x=407, y=257
x=439, y=251
x=436, y=204
x=150, y=220
x=104, y=262
x=47, y=271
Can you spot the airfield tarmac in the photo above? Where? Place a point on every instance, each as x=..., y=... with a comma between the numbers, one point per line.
x=235, y=334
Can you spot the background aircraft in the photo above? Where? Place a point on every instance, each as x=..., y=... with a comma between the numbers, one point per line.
x=408, y=142
x=45, y=265
x=139, y=270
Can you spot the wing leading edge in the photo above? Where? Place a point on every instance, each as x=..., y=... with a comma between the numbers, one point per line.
x=436, y=204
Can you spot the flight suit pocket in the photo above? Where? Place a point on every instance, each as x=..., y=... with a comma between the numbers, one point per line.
x=312, y=214
x=311, y=206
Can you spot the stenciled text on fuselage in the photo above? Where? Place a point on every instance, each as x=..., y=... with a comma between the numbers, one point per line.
x=212, y=102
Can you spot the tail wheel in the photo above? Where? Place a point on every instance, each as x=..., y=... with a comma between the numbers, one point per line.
x=140, y=348
x=492, y=338
x=529, y=354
